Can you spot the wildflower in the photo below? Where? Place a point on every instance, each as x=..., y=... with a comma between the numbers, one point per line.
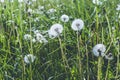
x=29, y=58
x=97, y=2
x=64, y=18
x=99, y=50
x=77, y=24
x=40, y=38
x=55, y=30
x=27, y=36
x=118, y=7
x=36, y=31
x=29, y=10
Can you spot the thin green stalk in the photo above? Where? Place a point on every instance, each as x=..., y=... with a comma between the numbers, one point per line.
x=118, y=62
x=31, y=47
x=87, y=63
x=107, y=71
x=97, y=24
x=110, y=34
x=79, y=56
x=30, y=72
x=63, y=54
x=99, y=74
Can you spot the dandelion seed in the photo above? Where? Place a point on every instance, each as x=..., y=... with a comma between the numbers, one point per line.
x=99, y=50
x=29, y=58
x=27, y=36
x=97, y=2
x=77, y=24
x=64, y=18
x=55, y=30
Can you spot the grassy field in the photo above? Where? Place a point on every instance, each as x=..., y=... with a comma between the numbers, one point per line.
x=60, y=40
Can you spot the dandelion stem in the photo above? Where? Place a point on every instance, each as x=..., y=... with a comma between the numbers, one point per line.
x=87, y=63
x=106, y=76
x=118, y=63
x=63, y=55
x=31, y=72
x=99, y=68
x=79, y=56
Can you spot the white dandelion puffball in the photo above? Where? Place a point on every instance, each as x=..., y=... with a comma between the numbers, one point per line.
x=29, y=58
x=27, y=36
x=55, y=30
x=97, y=2
x=118, y=7
x=77, y=24
x=64, y=18
x=99, y=50
x=40, y=38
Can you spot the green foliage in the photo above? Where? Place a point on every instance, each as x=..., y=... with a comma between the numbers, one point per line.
x=101, y=25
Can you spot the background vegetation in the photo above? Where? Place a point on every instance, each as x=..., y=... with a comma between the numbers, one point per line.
x=101, y=25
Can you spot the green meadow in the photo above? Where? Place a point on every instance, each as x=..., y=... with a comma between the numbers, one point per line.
x=38, y=43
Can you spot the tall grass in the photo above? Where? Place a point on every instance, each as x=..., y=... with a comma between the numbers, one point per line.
x=68, y=57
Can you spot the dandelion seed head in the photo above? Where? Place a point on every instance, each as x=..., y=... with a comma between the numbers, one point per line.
x=97, y=2
x=29, y=58
x=55, y=30
x=29, y=10
x=27, y=36
x=40, y=38
x=64, y=18
x=77, y=24
x=99, y=50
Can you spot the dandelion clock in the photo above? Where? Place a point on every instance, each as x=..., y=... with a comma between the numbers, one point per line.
x=55, y=30
x=29, y=58
x=99, y=50
x=77, y=24
x=64, y=18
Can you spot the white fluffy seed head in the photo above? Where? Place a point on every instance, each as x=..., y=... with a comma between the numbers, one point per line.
x=77, y=24
x=29, y=58
x=97, y=2
x=64, y=18
x=27, y=36
x=99, y=50
x=55, y=30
